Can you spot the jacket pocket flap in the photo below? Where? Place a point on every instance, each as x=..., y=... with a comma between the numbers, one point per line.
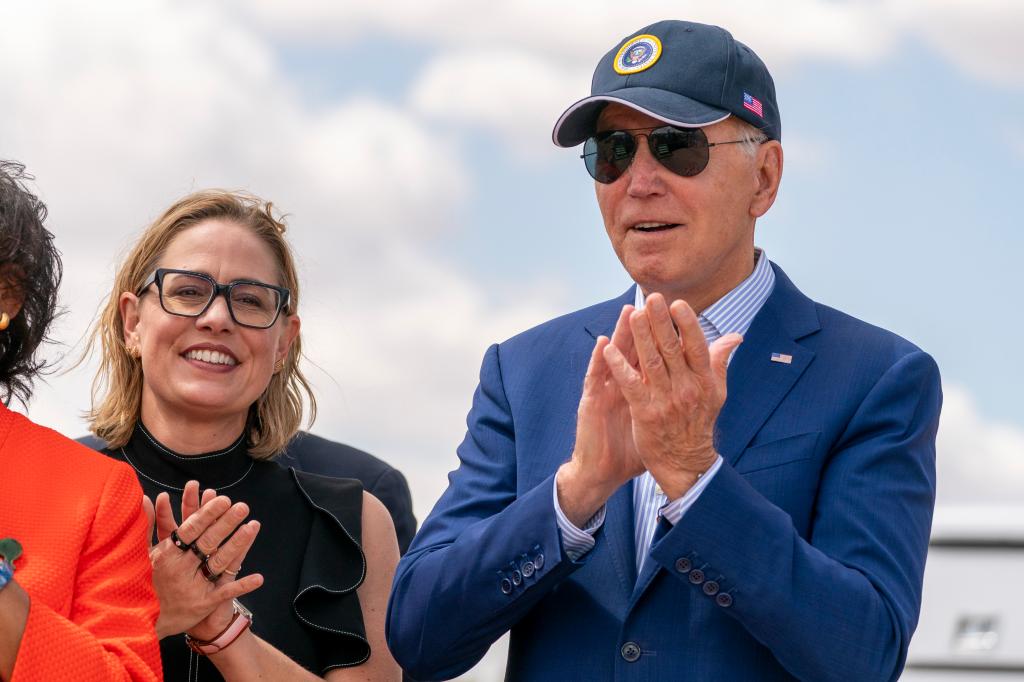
x=777, y=452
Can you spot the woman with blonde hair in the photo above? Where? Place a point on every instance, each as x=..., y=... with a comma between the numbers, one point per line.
x=199, y=387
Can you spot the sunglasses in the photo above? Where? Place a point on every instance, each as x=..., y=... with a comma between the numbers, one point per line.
x=684, y=151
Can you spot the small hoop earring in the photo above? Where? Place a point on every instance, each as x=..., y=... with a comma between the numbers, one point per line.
x=279, y=366
x=133, y=352
x=5, y=321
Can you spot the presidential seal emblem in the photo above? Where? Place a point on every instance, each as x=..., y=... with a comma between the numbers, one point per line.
x=637, y=54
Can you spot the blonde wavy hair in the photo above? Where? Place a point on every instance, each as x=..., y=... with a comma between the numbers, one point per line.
x=117, y=388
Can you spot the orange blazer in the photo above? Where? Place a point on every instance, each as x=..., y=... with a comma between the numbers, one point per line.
x=85, y=562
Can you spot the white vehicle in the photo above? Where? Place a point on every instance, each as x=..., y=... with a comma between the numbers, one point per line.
x=972, y=616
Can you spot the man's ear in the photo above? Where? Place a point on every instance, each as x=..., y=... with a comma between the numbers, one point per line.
x=769, y=175
x=129, y=307
x=12, y=294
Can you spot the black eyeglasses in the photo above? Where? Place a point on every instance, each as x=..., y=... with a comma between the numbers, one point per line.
x=684, y=151
x=189, y=294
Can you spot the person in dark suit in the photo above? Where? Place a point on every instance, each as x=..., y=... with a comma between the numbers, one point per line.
x=640, y=495
x=317, y=455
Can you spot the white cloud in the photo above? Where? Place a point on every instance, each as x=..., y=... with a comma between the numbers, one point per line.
x=118, y=115
x=511, y=68
x=511, y=93
x=979, y=460
x=980, y=37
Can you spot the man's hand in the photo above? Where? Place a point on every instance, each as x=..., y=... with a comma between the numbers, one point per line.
x=675, y=395
x=604, y=456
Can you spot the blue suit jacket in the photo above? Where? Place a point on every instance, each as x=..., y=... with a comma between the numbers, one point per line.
x=809, y=543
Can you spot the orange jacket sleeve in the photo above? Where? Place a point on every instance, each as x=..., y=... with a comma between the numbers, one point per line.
x=109, y=634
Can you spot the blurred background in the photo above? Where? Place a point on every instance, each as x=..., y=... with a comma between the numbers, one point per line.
x=409, y=143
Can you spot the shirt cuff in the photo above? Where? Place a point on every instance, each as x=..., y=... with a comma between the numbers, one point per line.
x=576, y=541
x=674, y=510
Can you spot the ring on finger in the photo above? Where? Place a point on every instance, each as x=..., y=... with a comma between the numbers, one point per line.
x=179, y=543
x=208, y=573
x=235, y=572
x=203, y=556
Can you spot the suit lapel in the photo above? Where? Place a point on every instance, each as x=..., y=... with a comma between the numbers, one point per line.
x=618, y=524
x=756, y=383
x=607, y=313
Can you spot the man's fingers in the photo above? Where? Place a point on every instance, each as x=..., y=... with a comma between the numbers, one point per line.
x=652, y=364
x=189, y=500
x=597, y=370
x=232, y=553
x=720, y=352
x=628, y=379
x=665, y=334
x=164, y=516
x=694, y=343
x=622, y=337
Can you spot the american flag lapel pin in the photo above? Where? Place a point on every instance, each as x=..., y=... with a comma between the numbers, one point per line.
x=783, y=358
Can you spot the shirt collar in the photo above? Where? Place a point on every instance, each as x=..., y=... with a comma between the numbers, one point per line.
x=735, y=311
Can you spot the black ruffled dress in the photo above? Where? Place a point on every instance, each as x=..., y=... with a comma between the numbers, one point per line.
x=307, y=550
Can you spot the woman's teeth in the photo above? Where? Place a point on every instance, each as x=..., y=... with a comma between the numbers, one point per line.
x=211, y=356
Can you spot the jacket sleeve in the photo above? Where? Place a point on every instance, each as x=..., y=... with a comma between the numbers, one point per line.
x=110, y=632
x=463, y=584
x=843, y=603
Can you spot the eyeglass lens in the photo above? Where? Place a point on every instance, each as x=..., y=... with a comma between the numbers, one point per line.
x=608, y=154
x=253, y=305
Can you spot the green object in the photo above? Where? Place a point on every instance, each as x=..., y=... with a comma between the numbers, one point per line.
x=10, y=549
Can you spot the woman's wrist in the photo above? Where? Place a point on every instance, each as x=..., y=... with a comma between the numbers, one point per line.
x=239, y=622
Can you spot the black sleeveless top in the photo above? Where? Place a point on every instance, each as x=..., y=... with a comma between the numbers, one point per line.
x=307, y=550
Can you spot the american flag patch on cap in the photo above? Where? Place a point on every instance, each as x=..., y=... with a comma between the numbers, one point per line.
x=753, y=103
x=783, y=358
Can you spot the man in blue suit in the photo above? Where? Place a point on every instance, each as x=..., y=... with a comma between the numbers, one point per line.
x=641, y=496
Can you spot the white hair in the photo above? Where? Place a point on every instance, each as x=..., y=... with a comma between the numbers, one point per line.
x=750, y=137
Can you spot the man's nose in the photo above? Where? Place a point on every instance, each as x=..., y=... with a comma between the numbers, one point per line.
x=645, y=174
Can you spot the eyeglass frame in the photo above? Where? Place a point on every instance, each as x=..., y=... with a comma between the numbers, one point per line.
x=157, y=277
x=635, y=134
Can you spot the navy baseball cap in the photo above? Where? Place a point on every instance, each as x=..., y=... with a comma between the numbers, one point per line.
x=680, y=72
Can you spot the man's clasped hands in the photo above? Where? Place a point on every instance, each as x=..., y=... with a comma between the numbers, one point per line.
x=650, y=399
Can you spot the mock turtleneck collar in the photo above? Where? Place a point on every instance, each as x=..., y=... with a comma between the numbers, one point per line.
x=170, y=470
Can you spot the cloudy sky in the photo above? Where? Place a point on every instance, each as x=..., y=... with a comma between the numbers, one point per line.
x=409, y=142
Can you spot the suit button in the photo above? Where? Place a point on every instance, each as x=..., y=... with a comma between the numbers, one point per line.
x=630, y=651
x=711, y=588
x=528, y=569
x=517, y=578
x=682, y=564
x=696, y=576
x=538, y=561
x=506, y=586
x=724, y=599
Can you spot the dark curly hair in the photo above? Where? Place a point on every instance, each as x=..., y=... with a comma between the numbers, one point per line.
x=31, y=264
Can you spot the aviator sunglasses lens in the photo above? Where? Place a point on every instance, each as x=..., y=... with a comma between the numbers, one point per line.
x=607, y=155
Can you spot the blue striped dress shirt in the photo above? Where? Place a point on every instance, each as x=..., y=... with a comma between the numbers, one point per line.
x=734, y=312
